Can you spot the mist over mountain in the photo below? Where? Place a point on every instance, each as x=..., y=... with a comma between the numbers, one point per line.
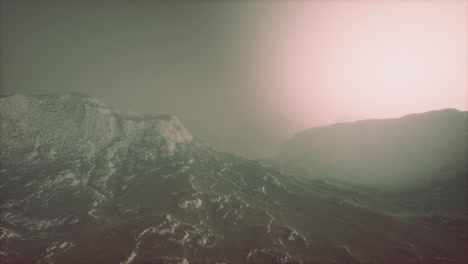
x=82, y=182
x=410, y=148
x=257, y=137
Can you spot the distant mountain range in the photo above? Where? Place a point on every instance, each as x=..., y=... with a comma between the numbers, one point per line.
x=82, y=182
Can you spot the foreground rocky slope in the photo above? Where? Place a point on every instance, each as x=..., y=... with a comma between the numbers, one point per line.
x=86, y=183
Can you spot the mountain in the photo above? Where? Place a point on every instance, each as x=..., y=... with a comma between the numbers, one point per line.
x=82, y=182
x=383, y=151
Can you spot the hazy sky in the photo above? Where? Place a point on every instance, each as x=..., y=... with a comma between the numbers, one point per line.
x=316, y=62
x=147, y=56
x=332, y=61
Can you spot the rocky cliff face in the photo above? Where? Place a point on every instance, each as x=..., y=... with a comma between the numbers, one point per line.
x=45, y=128
x=82, y=182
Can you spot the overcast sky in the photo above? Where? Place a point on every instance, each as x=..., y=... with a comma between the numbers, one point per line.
x=148, y=56
x=315, y=62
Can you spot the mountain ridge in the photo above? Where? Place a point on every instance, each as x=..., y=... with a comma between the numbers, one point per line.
x=406, y=116
x=84, y=122
x=381, y=149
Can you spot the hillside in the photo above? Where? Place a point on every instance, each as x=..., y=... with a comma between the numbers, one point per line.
x=82, y=182
x=405, y=149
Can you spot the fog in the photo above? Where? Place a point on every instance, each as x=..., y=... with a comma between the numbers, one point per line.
x=306, y=131
x=244, y=76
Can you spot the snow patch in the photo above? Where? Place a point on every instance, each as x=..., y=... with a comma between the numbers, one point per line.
x=196, y=203
x=58, y=247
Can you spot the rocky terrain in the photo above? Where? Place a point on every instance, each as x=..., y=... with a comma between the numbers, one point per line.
x=82, y=182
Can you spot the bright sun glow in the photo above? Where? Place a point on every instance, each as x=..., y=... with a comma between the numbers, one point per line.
x=329, y=61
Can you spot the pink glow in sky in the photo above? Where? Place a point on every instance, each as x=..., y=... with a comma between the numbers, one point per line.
x=322, y=62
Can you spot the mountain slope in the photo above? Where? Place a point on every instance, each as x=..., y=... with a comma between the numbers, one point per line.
x=383, y=151
x=86, y=183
